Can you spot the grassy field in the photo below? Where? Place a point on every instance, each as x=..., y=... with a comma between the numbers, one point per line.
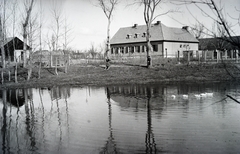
x=87, y=74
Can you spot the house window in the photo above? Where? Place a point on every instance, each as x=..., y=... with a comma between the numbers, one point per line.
x=180, y=45
x=122, y=50
x=126, y=49
x=131, y=49
x=116, y=51
x=155, y=47
x=144, y=48
x=137, y=49
x=111, y=50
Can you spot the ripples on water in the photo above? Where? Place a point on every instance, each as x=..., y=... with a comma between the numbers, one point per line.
x=178, y=118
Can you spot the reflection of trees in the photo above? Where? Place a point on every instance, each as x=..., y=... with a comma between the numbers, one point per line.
x=43, y=115
x=15, y=97
x=59, y=118
x=30, y=118
x=4, y=122
x=59, y=92
x=149, y=140
x=110, y=146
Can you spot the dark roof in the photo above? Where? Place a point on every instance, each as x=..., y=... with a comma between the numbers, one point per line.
x=18, y=43
x=219, y=43
x=158, y=31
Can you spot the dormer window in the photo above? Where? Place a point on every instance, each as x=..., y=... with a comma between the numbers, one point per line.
x=144, y=34
x=128, y=36
x=136, y=35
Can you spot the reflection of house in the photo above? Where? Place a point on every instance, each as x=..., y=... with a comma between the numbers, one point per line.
x=60, y=93
x=166, y=41
x=136, y=96
x=219, y=47
x=13, y=48
x=15, y=97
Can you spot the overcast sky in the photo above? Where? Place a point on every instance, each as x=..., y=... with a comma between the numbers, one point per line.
x=89, y=24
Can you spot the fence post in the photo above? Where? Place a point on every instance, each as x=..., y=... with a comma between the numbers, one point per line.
x=9, y=75
x=225, y=54
x=56, y=66
x=178, y=56
x=205, y=55
x=188, y=56
x=237, y=56
x=2, y=76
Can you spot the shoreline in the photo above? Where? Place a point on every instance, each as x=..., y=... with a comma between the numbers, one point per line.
x=121, y=74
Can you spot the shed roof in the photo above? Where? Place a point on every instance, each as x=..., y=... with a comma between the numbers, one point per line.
x=158, y=31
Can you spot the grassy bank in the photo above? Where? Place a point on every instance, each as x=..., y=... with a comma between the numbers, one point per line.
x=125, y=74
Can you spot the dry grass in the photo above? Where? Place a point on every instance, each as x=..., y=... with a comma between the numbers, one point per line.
x=124, y=74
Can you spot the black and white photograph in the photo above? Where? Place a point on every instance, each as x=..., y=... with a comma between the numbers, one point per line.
x=120, y=76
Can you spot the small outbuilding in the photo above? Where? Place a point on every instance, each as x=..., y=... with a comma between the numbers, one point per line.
x=220, y=48
x=13, y=48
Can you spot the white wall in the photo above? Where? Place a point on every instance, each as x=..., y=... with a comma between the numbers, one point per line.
x=17, y=55
x=173, y=47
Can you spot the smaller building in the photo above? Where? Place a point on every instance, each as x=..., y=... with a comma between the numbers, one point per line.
x=13, y=48
x=166, y=41
x=51, y=58
x=219, y=48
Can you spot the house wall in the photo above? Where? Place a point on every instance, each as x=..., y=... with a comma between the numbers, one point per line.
x=18, y=55
x=138, y=49
x=165, y=49
x=171, y=48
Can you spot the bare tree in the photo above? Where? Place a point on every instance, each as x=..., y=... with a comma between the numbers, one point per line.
x=67, y=35
x=149, y=9
x=108, y=6
x=2, y=43
x=40, y=40
x=218, y=16
x=14, y=6
x=33, y=27
x=2, y=31
x=28, y=8
x=57, y=17
x=198, y=30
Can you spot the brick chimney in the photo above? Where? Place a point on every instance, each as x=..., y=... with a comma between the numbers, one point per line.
x=185, y=27
x=158, y=23
x=135, y=26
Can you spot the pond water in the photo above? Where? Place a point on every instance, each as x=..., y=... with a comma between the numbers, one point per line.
x=177, y=118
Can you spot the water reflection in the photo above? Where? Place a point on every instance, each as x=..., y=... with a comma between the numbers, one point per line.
x=150, y=141
x=121, y=119
x=110, y=145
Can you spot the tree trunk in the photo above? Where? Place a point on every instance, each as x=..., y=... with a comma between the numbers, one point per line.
x=56, y=66
x=2, y=76
x=40, y=65
x=1, y=44
x=15, y=72
x=24, y=46
x=108, y=38
x=30, y=65
x=149, y=48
